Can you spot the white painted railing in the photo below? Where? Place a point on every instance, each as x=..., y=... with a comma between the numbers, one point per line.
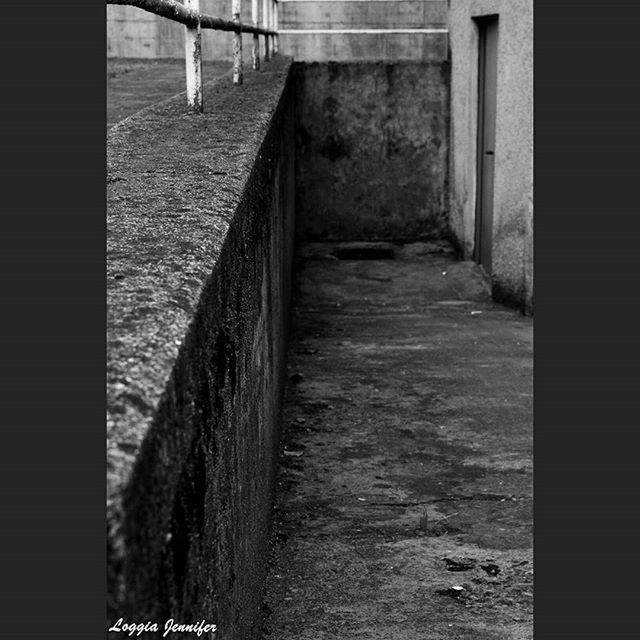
x=189, y=15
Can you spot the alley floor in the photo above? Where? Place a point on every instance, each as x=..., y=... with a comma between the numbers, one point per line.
x=405, y=487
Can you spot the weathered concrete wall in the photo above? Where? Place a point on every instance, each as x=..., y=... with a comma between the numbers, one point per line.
x=363, y=14
x=512, y=275
x=365, y=47
x=372, y=150
x=360, y=14
x=200, y=230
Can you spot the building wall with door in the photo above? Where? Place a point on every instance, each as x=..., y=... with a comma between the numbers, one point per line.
x=512, y=233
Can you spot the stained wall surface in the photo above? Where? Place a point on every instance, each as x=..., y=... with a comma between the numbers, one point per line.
x=371, y=150
x=512, y=247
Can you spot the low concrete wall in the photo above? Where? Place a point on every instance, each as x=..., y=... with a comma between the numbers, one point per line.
x=512, y=270
x=200, y=230
x=372, y=150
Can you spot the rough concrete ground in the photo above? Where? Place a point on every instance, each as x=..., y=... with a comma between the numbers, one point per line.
x=405, y=487
x=133, y=84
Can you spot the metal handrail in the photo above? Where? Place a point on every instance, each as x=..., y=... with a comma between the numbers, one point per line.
x=189, y=15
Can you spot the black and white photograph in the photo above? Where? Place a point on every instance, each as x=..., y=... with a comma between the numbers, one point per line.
x=319, y=332
x=285, y=250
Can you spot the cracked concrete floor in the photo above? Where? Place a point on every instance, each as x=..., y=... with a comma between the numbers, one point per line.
x=405, y=485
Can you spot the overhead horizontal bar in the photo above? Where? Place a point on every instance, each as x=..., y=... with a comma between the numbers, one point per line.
x=313, y=32
x=179, y=13
x=369, y=1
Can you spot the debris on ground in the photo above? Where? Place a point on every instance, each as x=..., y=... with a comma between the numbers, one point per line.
x=383, y=496
x=455, y=591
x=491, y=569
x=460, y=564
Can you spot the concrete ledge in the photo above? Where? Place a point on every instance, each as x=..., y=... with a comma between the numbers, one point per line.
x=199, y=247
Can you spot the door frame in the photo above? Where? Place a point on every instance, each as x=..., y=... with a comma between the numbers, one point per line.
x=481, y=24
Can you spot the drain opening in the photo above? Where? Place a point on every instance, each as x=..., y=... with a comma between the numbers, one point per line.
x=365, y=252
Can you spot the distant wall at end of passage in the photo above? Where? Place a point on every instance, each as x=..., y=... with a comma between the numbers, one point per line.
x=372, y=150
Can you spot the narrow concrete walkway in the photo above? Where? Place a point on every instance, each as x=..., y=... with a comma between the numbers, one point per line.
x=405, y=489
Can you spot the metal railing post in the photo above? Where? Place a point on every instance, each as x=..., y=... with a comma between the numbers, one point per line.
x=255, y=52
x=275, y=26
x=236, y=8
x=265, y=25
x=264, y=15
x=270, y=24
x=193, y=61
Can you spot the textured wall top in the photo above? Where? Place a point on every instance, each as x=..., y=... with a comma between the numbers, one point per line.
x=174, y=181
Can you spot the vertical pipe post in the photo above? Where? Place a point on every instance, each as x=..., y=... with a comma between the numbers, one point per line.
x=275, y=26
x=255, y=51
x=193, y=61
x=265, y=25
x=270, y=24
x=236, y=8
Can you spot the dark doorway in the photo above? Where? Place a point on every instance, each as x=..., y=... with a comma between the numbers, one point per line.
x=487, y=92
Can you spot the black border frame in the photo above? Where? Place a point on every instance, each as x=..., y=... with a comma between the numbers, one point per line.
x=53, y=321
x=586, y=268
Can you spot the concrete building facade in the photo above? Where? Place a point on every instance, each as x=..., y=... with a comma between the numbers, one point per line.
x=491, y=189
